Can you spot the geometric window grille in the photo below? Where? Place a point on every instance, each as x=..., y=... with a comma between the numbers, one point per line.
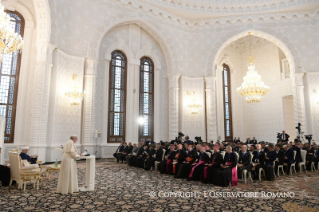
x=9, y=80
x=227, y=104
x=146, y=99
x=117, y=97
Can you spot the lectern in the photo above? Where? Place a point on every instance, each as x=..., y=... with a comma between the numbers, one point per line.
x=89, y=173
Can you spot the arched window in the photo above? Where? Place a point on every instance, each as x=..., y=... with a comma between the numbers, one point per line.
x=9, y=80
x=117, y=97
x=146, y=99
x=227, y=104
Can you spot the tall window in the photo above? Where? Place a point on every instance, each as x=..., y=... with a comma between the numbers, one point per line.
x=227, y=104
x=9, y=80
x=146, y=99
x=117, y=97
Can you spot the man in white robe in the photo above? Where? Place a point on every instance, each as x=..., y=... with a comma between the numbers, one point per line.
x=68, y=177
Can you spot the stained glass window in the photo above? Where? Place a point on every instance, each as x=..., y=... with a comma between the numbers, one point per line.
x=146, y=99
x=227, y=104
x=9, y=78
x=117, y=96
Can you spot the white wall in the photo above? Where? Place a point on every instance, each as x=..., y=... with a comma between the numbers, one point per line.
x=266, y=118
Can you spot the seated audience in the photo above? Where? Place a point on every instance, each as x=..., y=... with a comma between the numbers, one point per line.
x=164, y=165
x=196, y=168
x=215, y=161
x=179, y=157
x=227, y=173
x=156, y=156
x=244, y=161
x=119, y=151
x=184, y=167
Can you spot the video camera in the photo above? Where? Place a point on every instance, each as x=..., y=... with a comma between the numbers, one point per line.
x=309, y=138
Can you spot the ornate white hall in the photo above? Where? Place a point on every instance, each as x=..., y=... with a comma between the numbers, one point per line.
x=188, y=45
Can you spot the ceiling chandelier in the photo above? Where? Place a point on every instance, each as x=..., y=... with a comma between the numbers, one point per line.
x=10, y=41
x=193, y=104
x=75, y=94
x=252, y=89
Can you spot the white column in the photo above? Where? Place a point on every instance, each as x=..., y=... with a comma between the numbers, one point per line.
x=40, y=109
x=173, y=106
x=88, y=141
x=20, y=132
x=105, y=104
x=211, y=116
x=299, y=101
x=157, y=100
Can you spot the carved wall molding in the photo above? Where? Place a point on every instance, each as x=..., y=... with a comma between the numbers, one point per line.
x=228, y=13
x=103, y=28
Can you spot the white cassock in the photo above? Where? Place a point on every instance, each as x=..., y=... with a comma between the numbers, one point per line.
x=68, y=177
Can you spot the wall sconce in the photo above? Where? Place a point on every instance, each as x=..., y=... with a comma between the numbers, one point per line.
x=75, y=94
x=193, y=103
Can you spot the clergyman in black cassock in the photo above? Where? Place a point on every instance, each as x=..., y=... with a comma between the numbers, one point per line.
x=196, y=168
x=179, y=157
x=215, y=161
x=184, y=168
x=225, y=175
x=163, y=166
x=244, y=161
x=150, y=161
x=141, y=158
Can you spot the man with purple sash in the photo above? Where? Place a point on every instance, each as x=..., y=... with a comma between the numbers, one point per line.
x=196, y=168
x=227, y=172
x=215, y=161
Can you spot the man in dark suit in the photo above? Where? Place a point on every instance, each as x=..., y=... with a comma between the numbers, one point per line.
x=258, y=161
x=289, y=157
x=127, y=150
x=280, y=156
x=284, y=137
x=244, y=161
x=269, y=162
x=263, y=147
x=315, y=158
x=157, y=156
x=298, y=154
x=235, y=140
x=254, y=140
x=119, y=151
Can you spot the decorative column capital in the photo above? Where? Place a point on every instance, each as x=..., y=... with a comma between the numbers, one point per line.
x=90, y=67
x=44, y=52
x=299, y=79
x=173, y=81
x=210, y=83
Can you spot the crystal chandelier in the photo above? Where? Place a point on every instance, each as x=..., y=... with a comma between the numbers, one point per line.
x=10, y=41
x=75, y=94
x=193, y=104
x=252, y=89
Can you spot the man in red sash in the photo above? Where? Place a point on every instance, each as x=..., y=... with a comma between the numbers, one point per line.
x=227, y=172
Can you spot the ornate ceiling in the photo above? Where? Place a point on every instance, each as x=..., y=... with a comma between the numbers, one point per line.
x=199, y=9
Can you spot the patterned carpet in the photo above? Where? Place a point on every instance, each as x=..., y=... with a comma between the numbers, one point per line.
x=123, y=188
